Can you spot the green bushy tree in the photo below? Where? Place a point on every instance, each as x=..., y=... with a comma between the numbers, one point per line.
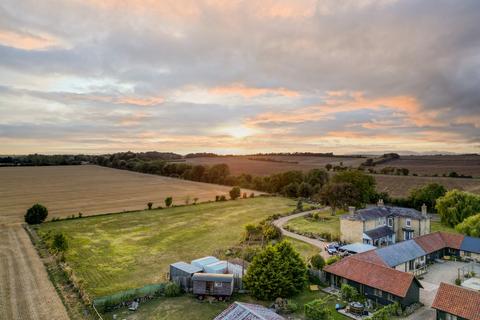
x=470, y=226
x=36, y=214
x=60, y=242
x=427, y=194
x=455, y=206
x=168, y=201
x=235, y=193
x=362, y=183
x=277, y=271
x=318, y=310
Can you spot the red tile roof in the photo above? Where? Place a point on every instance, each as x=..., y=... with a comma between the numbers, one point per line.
x=458, y=301
x=370, y=256
x=373, y=275
x=431, y=242
x=452, y=240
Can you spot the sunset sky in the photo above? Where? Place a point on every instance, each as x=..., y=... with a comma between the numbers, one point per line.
x=239, y=76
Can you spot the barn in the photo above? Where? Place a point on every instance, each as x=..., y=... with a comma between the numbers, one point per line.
x=211, y=284
x=182, y=272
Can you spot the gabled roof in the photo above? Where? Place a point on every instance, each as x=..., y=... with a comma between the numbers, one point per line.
x=247, y=311
x=380, y=212
x=379, y=232
x=186, y=267
x=370, y=256
x=212, y=277
x=400, y=252
x=373, y=275
x=431, y=242
x=452, y=240
x=470, y=244
x=458, y=301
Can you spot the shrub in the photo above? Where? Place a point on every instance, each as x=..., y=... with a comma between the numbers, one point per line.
x=271, y=231
x=235, y=193
x=244, y=195
x=348, y=292
x=60, y=243
x=168, y=201
x=470, y=226
x=223, y=198
x=149, y=205
x=252, y=195
x=277, y=271
x=386, y=312
x=332, y=260
x=36, y=214
x=317, y=310
x=458, y=281
x=172, y=289
x=317, y=261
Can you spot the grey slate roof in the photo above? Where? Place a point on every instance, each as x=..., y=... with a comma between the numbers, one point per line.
x=212, y=277
x=470, y=244
x=400, y=252
x=186, y=267
x=379, y=232
x=248, y=311
x=380, y=212
x=358, y=247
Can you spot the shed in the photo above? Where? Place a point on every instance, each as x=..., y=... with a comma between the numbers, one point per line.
x=182, y=272
x=241, y=310
x=211, y=284
x=357, y=247
x=205, y=261
x=219, y=267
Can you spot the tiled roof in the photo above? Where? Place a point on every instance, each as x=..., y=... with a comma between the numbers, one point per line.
x=379, y=232
x=452, y=240
x=380, y=212
x=458, y=301
x=431, y=242
x=370, y=256
x=400, y=252
x=470, y=244
x=247, y=311
x=373, y=275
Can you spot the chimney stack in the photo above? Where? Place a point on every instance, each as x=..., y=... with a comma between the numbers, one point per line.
x=351, y=210
x=380, y=203
x=424, y=209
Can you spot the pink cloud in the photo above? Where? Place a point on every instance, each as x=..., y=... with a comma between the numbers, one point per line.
x=249, y=92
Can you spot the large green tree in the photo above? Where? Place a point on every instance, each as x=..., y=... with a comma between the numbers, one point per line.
x=36, y=214
x=363, y=183
x=277, y=271
x=427, y=194
x=455, y=206
x=470, y=226
x=340, y=195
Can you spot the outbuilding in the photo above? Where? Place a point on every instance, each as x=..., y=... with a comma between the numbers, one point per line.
x=182, y=272
x=205, y=261
x=211, y=284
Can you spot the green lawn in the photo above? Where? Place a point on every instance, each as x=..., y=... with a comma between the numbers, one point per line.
x=306, y=250
x=129, y=250
x=438, y=226
x=326, y=223
x=188, y=307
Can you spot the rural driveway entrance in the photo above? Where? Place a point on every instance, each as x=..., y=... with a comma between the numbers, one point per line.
x=317, y=243
x=25, y=289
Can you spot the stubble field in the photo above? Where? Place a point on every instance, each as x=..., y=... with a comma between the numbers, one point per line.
x=67, y=190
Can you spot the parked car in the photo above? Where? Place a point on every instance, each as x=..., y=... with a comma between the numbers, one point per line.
x=331, y=249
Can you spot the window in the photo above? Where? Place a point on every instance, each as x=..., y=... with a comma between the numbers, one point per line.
x=390, y=222
x=377, y=292
x=408, y=222
x=411, y=265
x=390, y=297
x=218, y=284
x=450, y=316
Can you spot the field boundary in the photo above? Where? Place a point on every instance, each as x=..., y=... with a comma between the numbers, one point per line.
x=59, y=279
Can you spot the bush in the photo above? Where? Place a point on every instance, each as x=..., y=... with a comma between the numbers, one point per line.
x=149, y=205
x=168, y=201
x=455, y=206
x=332, y=260
x=36, y=214
x=348, y=292
x=470, y=226
x=277, y=271
x=458, y=281
x=317, y=262
x=235, y=193
x=172, y=289
x=223, y=198
x=386, y=312
x=60, y=243
x=317, y=310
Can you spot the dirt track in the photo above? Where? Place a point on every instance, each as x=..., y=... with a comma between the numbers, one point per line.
x=25, y=290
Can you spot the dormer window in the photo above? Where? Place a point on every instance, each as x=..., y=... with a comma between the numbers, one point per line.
x=408, y=222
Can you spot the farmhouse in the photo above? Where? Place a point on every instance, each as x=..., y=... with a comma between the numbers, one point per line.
x=211, y=284
x=240, y=310
x=383, y=225
x=454, y=302
x=377, y=282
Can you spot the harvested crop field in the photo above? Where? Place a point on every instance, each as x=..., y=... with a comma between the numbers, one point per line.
x=399, y=186
x=25, y=290
x=244, y=164
x=437, y=164
x=67, y=190
x=115, y=252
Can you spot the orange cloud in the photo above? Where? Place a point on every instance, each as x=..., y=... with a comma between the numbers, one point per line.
x=249, y=92
x=144, y=102
x=27, y=41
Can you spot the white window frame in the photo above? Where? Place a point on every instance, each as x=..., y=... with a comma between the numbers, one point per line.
x=408, y=222
x=218, y=284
